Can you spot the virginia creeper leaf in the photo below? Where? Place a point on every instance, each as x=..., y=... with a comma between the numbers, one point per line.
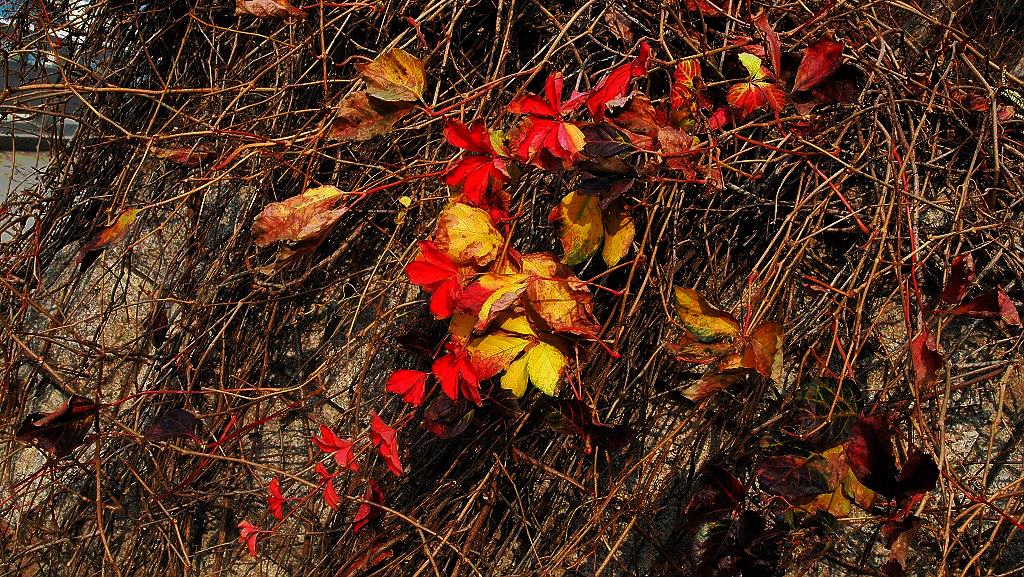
x=300, y=218
x=820, y=61
x=395, y=76
x=467, y=235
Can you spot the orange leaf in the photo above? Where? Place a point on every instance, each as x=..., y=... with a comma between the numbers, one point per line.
x=268, y=9
x=361, y=118
x=299, y=218
x=560, y=299
x=109, y=235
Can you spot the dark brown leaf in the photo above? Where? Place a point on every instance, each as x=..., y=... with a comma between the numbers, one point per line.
x=62, y=430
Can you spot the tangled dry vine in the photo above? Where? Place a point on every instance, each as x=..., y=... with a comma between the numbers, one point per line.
x=514, y=288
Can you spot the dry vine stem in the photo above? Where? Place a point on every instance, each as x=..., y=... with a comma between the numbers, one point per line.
x=840, y=222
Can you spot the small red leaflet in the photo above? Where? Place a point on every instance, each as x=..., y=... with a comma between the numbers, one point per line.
x=275, y=501
x=339, y=448
x=457, y=376
x=545, y=139
x=330, y=494
x=435, y=273
x=249, y=534
x=368, y=510
x=386, y=440
x=480, y=175
x=614, y=87
x=411, y=385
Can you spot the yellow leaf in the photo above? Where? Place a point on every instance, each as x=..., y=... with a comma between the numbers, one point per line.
x=560, y=299
x=493, y=353
x=515, y=377
x=619, y=230
x=518, y=324
x=467, y=235
x=582, y=229
x=545, y=364
x=753, y=65
x=704, y=321
x=298, y=218
x=501, y=299
x=395, y=76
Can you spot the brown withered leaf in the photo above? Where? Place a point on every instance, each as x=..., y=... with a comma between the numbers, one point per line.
x=268, y=9
x=62, y=430
x=619, y=25
x=395, y=76
x=299, y=218
x=361, y=117
x=190, y=156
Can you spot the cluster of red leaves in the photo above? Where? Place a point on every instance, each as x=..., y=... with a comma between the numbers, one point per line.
x=343, y=452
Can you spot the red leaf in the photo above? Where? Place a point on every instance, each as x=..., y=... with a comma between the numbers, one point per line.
x=871, y=454
x=961, y=275
x=339, y=448
x=820, y=61
x=62, y=430
x=545, y=139
x=993, y=304
x=747, y=97
x=771, y=40
x=434, y=272
x=249, y=534
x=386, y=440
x=330, y=493
x=368, y=510
x=546, y=143
x=925, y=358
x=457, y=376
x=475, y=138
x=411, y=385
x=551, y=106
x=687, y=87
x=275, y=501
x=615, y=85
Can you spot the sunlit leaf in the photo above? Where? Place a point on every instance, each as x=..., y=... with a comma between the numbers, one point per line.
x=582, y=226
x=619, y=230
x=705, y=322
x=395, y=76
x=300, y=218
x=268, y=9
x=467, y=235
x=108, y=235
x=557, y=296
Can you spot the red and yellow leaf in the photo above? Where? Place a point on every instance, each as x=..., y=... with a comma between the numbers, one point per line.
x=299, y=218
x=467, y=235
x=360, y=118
x=110, y=234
